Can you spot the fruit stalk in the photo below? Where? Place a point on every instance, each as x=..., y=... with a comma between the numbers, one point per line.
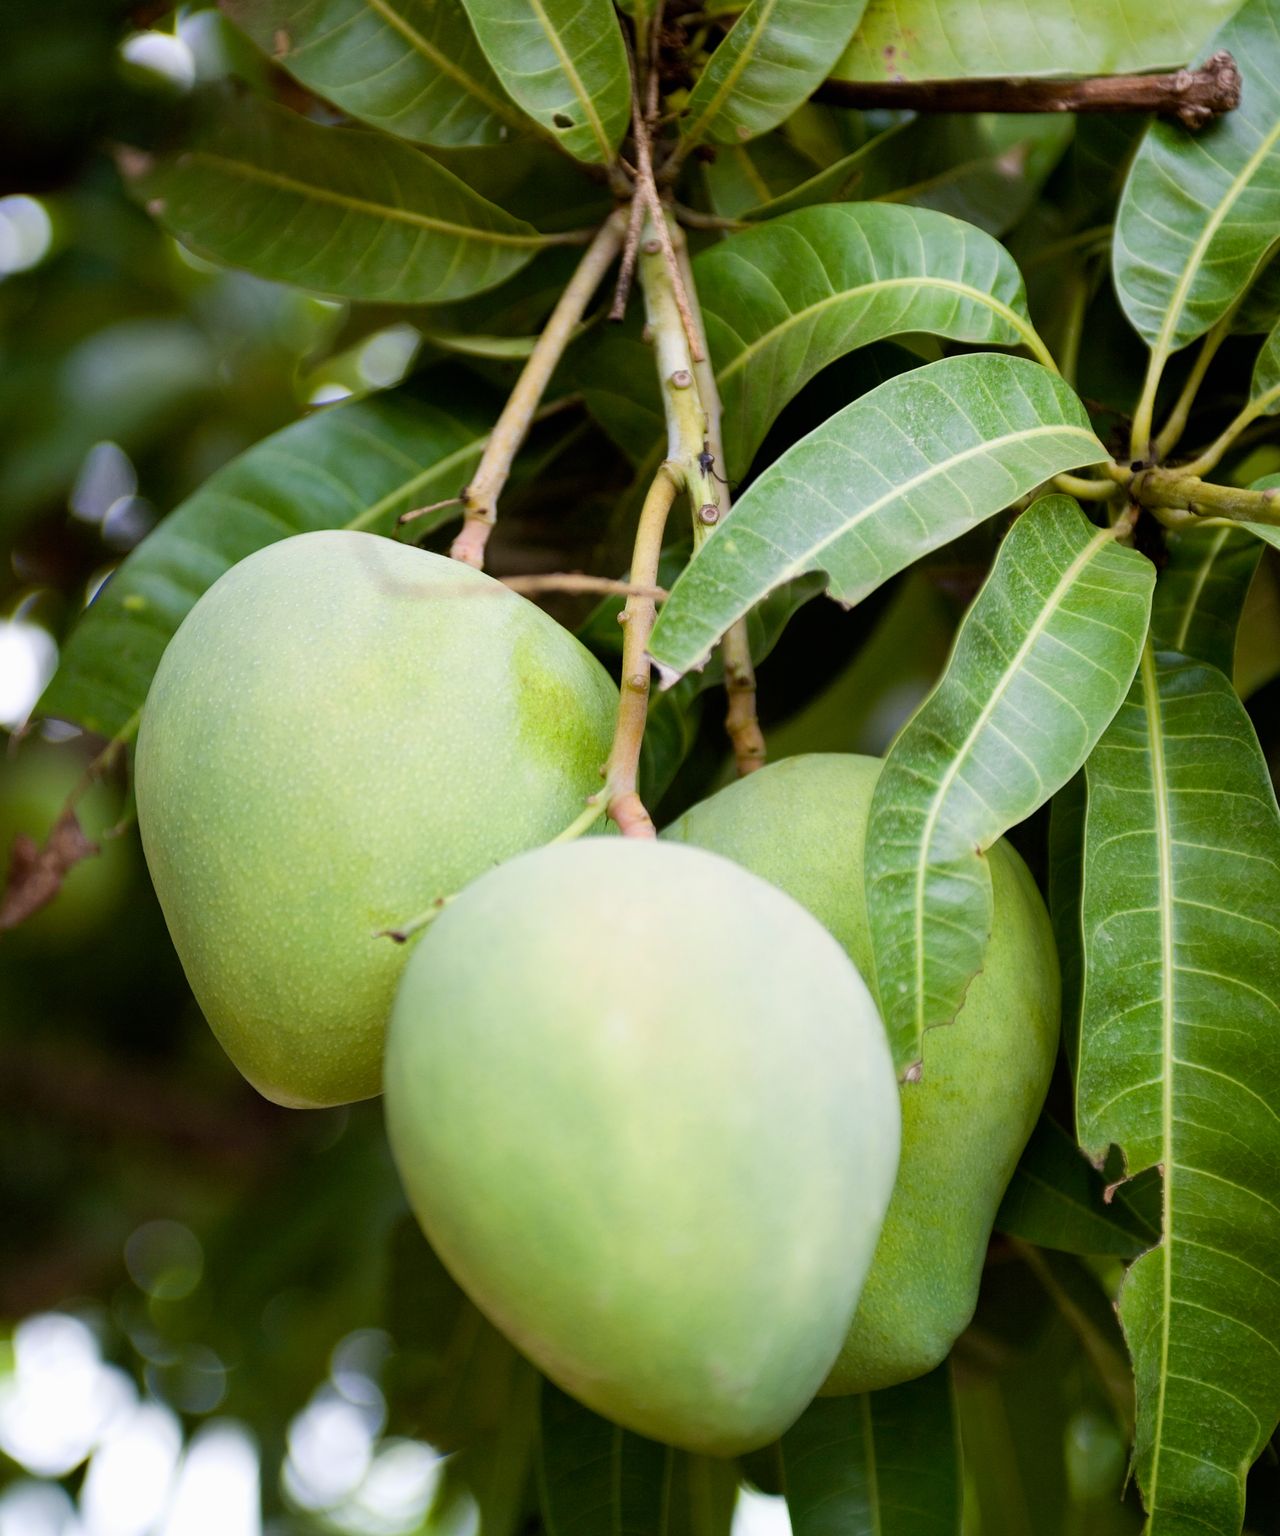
x=480, y=498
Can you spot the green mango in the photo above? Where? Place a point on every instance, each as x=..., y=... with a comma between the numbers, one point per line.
x=344, y=730
x=801, y=823
x=644, y=1110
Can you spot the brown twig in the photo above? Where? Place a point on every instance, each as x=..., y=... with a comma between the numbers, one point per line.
x=627, y=266
x=1193, y=96
x=480, y=498
x=577, y=581
x=435, y=506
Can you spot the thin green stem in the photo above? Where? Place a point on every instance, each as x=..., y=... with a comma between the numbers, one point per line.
x=1171, y=433
x=480, y=499
x=1085, y=489
x=1140, y=435
x=1261, y=406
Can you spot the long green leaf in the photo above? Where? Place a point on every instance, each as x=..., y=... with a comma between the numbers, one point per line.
x=1056, y=1199
x=1179, y=1063
x=565, y=63
x=744, y=176
x=775, y=55
x=783, y=301
x=595, y=1477
x=901, y=471
x=918, y=40
x=357, y=465
x=339, y=210
x=1201, y=591
x=1041, y=664
x=1264, y=387
x=985, y=170
x=877, y=1464
x=409, y=67
x=1199, y=212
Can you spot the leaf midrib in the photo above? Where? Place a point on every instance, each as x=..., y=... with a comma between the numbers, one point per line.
x=305, y=189
x=943, y=284
x=1095, y=545
x=585, y=100
x=1164, y=845
x=733, y=74
x=445, y=64
x=904, y=487
x=1173, y=314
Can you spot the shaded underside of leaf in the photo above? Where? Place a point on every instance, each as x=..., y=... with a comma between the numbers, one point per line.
x=1180, y=1068
x=565, y=63
x=1057, y=1199
x=783, y=301
x=339, y=210
x=1200, y=211
x=356, y=465
x=775, y=55
x=903, y=470
x=922, y=40
x=876, y=1464
x=409, y=67
x=1201, y=590
x=1041, y=664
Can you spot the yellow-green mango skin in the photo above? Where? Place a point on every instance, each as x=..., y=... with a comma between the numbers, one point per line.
x=644, y=1110
x=343, y=730
x=801, y=823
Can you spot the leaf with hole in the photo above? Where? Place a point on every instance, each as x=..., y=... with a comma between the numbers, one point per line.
x=903, y=470
x=357, y=465
x=1179, y=1066
x=1199, y=212
x=773, y=57
x=564, y=62
x=783, y=301
x=339, y=210
x=1041, y=664
x=409, y=67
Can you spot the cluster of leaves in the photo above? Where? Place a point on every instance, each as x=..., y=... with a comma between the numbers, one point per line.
x=856, y=274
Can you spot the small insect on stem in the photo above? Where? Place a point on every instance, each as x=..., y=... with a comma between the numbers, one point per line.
x=707, y=464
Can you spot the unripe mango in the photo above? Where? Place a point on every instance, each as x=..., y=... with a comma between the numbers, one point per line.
x=644, y=1110
x=801, y=823
x=342, y=731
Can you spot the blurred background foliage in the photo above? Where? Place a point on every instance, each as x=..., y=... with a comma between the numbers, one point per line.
x=215, y=1313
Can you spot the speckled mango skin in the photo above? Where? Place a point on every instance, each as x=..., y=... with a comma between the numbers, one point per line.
x=644, y=1110
x=342, y=730
x=801, y=823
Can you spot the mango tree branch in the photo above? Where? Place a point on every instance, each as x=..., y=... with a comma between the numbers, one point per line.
x=480, y=498
x=1178, y=498
x=622, y=771
x=1193, y=96
x=741, y=721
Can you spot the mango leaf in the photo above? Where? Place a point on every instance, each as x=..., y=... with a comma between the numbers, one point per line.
x=485, y=1486
x=880, y=1463
x=774, y=57
x=1057, y=1199
x=918, y=40
x=1065, y=876
x=1201, y=591
x=1267, y=532
x=339, y=210
x=452, y=1375
x=742, y=177
x=564, y=62
x=1178, y=1067
x=1264, y=388
x=985, y=170
x=1041, y=664
x=594, y=1476
x=903, y=470
x=781, y=302
x=355, y=465
x=409, y=67
x=1199, y=212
